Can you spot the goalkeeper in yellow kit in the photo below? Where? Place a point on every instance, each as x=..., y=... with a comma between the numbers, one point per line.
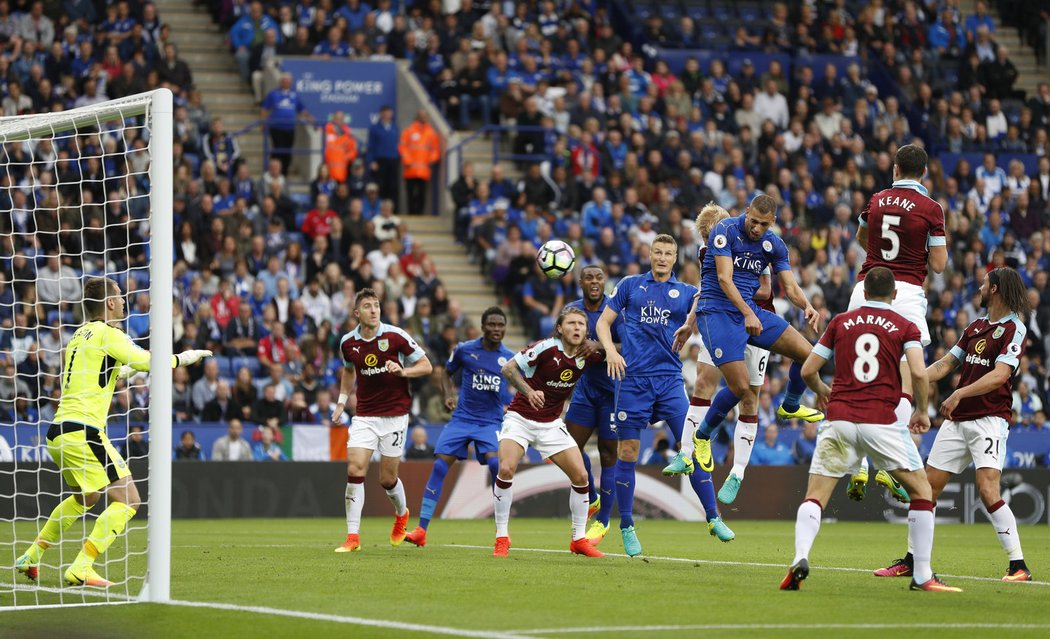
x=97, y=355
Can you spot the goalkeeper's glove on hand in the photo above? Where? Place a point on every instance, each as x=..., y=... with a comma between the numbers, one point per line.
x=125, y=371
x=191, y=357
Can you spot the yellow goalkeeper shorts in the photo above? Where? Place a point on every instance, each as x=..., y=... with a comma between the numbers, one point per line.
x=86, y=457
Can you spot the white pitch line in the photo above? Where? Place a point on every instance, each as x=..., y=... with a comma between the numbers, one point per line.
x=785, y=626
x=356, y=621
x=716, y=562
x=79, y=604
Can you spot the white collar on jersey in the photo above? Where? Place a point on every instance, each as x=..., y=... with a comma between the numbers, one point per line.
x=914, y=185
x=875, y=304
x=1002, y=320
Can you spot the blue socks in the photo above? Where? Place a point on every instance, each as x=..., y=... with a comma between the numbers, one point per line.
x=493, y=464
x=432, y=492
x=608, y=488
x=795, y=387
x=590, y=476
x=625, y=492
x=704, y=488
x=724, y=402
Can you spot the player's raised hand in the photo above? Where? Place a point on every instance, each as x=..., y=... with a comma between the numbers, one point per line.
x=950, y=404
x=812, y=317
x=395, y=368
x=919, y=422
x=535, y=398
x=752, y=324
x=450, y=402
x=615, y=365
x=191, y=357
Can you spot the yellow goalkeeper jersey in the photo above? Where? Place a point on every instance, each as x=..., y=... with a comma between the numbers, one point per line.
x=89, y=374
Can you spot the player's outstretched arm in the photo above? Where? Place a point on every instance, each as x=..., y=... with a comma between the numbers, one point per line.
x=920, y=417
x=132, y=358
x=513, y=375
x=346, y=389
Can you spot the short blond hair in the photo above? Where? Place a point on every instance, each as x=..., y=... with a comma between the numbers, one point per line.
x=710, y=215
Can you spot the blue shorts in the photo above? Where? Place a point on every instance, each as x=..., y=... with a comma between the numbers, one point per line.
x=641, y=401
x=592, y=408
x=457, y=435
x=726, y=338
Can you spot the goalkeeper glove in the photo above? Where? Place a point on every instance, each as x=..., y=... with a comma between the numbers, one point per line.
x=124, y=371
x=191, y=357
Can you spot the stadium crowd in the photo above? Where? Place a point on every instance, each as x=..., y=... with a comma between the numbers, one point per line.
x=615, y=147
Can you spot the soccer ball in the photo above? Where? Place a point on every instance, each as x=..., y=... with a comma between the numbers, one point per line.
x=556, y=258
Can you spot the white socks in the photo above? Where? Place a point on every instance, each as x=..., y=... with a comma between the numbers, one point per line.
x=807, y=525
x=1006, y=529
x=502, y=496
x=397, y=498
x=693, y=418
x=355, y=503
x=920, y=539
x=579, y=502
x=744, y=443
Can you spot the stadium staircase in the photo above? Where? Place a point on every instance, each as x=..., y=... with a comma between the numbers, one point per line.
x=203, y=46
x=464, y=281
x=1022, y=55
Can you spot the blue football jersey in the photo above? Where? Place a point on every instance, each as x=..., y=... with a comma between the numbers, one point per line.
x=651, y=311
x=750, y=258
x=482, y=390
x=596, y=376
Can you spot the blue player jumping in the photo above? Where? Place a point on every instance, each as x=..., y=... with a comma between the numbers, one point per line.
x=739, y=250
x=592, y=406
x=476, y=416
x=653, y=305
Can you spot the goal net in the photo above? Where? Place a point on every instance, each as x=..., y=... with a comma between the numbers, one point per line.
x=85, y=192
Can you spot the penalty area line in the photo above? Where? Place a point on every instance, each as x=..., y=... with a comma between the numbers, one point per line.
x=718, y=562
x=355, y=621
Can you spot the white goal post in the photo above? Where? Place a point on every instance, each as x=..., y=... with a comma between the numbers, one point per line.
x=147, y=117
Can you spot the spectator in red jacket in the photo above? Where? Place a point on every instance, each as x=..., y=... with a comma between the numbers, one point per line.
x=319, y=220
x=276, y=348
x=224, y=304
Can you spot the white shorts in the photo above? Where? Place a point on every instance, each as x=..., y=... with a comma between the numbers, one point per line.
x=385, y=434
x=548, y=438
x=910, y=303
x=840, y=444
x=755, y=359
x=981, y=442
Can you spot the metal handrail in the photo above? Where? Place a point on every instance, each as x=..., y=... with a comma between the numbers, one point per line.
x=261, y=124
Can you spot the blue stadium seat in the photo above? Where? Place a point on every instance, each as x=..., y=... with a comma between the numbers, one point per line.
x=251, y=363
x=723, y=11
x=698, y=11
x=642, y=11
x=224, y=365
x=670, y=12
x=299, y=217
x=749, y=12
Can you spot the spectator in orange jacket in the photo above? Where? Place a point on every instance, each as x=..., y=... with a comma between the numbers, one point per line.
x=420, y=148
x=340, y=148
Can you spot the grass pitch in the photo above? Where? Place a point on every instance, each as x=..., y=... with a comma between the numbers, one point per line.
x=280, y=578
